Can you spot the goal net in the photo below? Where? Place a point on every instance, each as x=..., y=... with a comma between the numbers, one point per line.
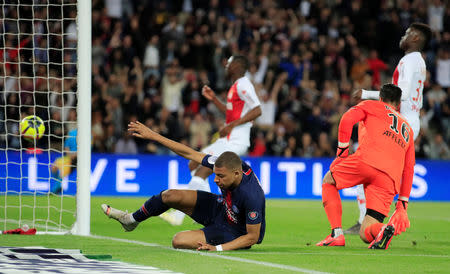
x=38, y=76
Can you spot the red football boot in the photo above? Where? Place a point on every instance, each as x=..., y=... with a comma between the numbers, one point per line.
x=330, y=241
x=383, y=238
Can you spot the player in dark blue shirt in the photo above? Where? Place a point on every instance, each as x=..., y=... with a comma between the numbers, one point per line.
x=233, y=220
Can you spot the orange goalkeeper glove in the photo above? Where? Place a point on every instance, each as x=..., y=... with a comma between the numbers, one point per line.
x=400, y=218
x=341, y=154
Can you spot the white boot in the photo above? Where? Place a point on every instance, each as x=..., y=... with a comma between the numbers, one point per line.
x=123, y=217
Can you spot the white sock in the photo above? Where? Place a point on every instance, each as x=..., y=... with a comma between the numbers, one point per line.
x=361, y=197
x=198, y=183
x=179, y=215
x=132, y=220
x=338, y=232
x=193, y=172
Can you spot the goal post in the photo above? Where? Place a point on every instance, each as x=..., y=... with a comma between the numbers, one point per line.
x=45, y=70
x=82, y=225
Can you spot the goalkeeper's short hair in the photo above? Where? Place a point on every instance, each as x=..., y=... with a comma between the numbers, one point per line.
x=391, y=93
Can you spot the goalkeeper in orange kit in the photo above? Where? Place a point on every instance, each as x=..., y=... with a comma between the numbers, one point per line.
x=383, y=163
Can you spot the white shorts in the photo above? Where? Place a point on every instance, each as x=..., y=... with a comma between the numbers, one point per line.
x=222, y=145
x=416, y=130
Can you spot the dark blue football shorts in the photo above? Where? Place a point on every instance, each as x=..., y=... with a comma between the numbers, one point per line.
x=209, y=212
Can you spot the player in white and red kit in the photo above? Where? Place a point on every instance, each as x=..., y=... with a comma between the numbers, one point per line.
x=241, y=109
x=410, y=76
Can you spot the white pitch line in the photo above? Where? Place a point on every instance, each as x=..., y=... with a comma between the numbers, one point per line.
x=376, y=253
x=214, y=255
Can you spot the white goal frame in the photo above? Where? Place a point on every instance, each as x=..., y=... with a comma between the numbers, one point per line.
x=79, y=217
x=84, y=24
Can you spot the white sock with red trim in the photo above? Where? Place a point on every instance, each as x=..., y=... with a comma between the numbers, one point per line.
x=361, y=197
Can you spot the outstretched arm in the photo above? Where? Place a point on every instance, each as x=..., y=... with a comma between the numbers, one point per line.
x=243, y=241
x=362, y=94
x=370, y=94
x=141, y=131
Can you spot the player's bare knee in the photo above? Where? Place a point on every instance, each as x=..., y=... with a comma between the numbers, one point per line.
x=179, y=241
x=362, y=235
x=328, y=179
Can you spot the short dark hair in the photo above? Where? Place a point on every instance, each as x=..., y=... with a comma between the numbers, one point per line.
x=229, y=160
x=425, y=30
x=391, y=93
x=242, y=60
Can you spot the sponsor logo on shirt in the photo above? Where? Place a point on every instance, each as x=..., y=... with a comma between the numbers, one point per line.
x=235, y=209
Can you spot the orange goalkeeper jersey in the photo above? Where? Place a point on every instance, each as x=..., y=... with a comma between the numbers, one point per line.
x=385, y=141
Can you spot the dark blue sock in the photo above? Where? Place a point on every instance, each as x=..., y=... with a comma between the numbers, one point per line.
x=152, y=207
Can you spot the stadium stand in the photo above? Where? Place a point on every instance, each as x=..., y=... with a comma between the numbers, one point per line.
x=151, y=58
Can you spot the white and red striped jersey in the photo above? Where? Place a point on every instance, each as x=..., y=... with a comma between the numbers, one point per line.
x=241, y=99
x=410, y=75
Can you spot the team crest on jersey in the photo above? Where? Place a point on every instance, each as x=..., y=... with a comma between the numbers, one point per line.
x=253, y=215
x=235, y=209
x=220, y=199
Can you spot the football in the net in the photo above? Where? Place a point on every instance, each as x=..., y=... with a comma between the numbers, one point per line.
x=32, y=128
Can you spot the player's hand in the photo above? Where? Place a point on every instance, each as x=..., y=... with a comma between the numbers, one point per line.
x=139, y=130
x=226, y=130
x=356, y=95
x=204, y=246
x=208, y=93
x=341, y=154
x=400, y=218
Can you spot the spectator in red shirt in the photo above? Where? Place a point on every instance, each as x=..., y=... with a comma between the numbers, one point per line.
x=376, y=65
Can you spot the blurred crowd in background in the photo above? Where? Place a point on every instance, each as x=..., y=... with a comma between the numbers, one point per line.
x=150, y=60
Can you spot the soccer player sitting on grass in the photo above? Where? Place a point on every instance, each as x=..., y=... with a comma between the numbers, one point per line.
x=383, y=163
x=234, y=220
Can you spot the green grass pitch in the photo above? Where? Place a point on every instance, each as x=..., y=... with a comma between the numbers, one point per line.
x=293, y=228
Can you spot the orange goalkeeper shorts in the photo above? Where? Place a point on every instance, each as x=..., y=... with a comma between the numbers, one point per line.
x=378, y=186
